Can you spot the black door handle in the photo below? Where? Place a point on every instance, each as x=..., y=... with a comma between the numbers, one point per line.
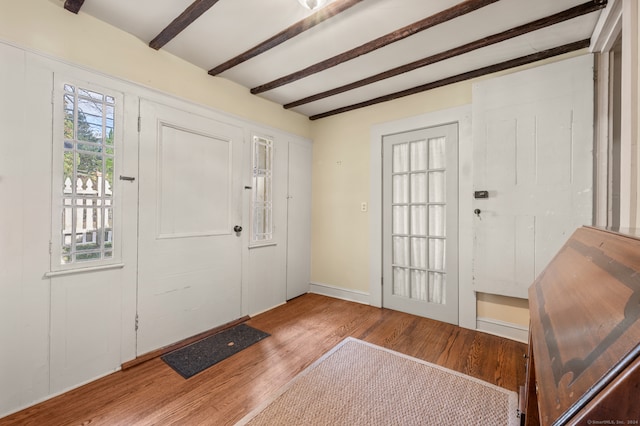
x=237, y=228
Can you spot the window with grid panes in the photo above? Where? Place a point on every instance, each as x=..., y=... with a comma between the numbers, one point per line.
x=87, y=232
x=262, y=197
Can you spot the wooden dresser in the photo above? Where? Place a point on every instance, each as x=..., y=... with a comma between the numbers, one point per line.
x=583, y=363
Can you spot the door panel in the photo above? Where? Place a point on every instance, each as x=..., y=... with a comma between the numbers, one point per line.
x=299, y=220
x=189, y=277
x=420, y=227
x=533, y=146
x=191, y=165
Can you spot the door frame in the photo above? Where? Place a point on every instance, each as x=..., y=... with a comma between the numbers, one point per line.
x=619, y=18
x=462, y=116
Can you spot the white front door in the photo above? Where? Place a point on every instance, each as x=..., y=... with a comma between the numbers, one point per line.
x=420, y=222
x=189, y=276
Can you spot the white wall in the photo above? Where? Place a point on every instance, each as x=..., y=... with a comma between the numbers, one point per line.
x=44, y=331
x=24, y=231
x=59, y=330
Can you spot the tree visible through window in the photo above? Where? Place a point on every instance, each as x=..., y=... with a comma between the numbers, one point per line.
x=262, y=200
x=88, y=168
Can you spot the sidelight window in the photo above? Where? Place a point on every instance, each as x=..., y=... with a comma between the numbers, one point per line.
x=262, y=195
x=87, y=143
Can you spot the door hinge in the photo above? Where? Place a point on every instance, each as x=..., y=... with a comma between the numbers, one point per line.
x=50, y=247
x=381, y=282
x=136, y=322
x=139, y=123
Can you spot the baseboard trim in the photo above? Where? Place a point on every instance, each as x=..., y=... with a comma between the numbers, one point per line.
x=340, y=293
x=508, y=330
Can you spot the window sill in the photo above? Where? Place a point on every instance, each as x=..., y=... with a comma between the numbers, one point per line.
x=261, y=245
x=83, y=270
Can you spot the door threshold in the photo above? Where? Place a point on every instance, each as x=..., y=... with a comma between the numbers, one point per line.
x=182, y=343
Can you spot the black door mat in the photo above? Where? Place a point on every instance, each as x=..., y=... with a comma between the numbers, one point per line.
x=198, y=356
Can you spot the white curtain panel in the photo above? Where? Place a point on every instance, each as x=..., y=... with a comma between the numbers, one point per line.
x=401, y=282
x=418, y=258
x=400, y=220
x=419, y=155
x=400, y=158
x=400, y=189
x=437, y=155
x=419, y=285
x=401, y=251
x=437, y=284
x=437, y=187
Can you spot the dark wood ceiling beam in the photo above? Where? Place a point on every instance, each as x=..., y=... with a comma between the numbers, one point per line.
x=523, y=60
x=299, y=27
x=186, y=18
x=446, y=15
x=73, y=5
x=456, y=51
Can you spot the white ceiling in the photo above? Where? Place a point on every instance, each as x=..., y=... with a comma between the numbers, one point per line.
x=231, y=27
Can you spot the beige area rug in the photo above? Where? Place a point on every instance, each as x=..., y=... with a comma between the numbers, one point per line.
x=357, y=383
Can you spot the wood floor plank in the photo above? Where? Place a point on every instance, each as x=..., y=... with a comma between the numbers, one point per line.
x=301, y=331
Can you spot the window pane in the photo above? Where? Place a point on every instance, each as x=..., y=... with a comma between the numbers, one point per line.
x=437, y=287
x=67, y=171
x=419, y=285
x=400, y=220
x=418, y=220
x=89, y=94
x=400, y=158
x=419, y=155
x=107, y=230
x=401, y=282
x=437, y=221
x=89, y=165
x=83, y=257
x=108, y=178
x=419, y=252
x=87, y=224
x=261, y=189
x=262, y=197
x=437, y=158
x=400, y=251
x=437, y=254
x=89, y=147
x=437, y=185
x=418, y=187
x=400, y=189
x=69, y=103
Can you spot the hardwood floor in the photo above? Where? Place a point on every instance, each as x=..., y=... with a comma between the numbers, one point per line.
x=301, y=331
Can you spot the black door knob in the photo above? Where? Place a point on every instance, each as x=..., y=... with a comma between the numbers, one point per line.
x=237, y=228
x=477, y=212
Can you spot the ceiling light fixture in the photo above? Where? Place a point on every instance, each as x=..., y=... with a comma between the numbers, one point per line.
x=313, y=4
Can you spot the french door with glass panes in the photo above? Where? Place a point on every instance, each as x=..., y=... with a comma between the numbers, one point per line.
x=420, y=222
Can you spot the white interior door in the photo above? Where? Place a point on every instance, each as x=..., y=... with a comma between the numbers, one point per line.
x=420, y=222
x=533, y=142
x=189, y=277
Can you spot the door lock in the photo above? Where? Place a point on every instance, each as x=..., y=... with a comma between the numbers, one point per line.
x=477, y=213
